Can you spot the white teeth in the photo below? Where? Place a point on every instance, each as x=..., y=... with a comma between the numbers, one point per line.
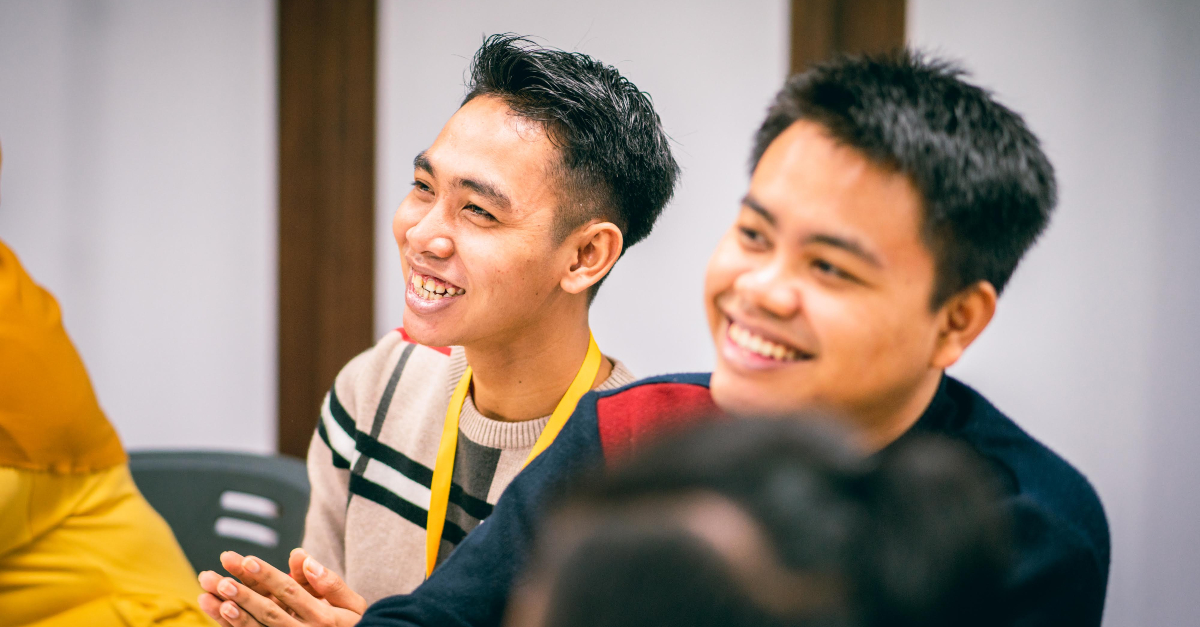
x=759, y=345
x=429, y=289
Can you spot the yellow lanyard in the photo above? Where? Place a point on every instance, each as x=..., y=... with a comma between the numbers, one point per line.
x=444, y=468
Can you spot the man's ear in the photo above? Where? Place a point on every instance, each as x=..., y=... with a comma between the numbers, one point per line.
x=594, y=249
x=962, y=318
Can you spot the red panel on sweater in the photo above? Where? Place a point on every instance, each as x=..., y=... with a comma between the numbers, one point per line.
x=638, y=415
x=445, y=350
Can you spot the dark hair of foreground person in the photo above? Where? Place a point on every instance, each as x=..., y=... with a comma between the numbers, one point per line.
x=773, y=523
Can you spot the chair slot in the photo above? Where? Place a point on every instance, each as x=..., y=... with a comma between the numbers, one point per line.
x=251, y=532
x=252, y=504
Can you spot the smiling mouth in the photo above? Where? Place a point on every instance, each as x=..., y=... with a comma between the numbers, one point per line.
x=432, y=288
x=752, y=342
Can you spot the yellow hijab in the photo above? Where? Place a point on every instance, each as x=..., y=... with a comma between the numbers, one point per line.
x=49, y=417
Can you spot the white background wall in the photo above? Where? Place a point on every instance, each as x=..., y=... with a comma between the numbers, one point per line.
x=711, y=68
x=138, y=185
x=1095, y=348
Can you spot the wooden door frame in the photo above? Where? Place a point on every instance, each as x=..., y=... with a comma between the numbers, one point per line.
x=327, y=62
x=822, y=28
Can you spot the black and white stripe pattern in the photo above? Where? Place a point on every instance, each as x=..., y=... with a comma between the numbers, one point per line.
x=386, y=476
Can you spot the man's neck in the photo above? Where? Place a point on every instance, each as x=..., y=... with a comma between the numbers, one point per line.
x=525, y=378
x=879, y=429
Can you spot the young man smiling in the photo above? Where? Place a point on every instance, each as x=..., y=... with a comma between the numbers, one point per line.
x=553, y=165
x=889, y=204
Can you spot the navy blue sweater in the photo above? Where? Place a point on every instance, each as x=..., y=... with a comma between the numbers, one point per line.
x=1060, y=529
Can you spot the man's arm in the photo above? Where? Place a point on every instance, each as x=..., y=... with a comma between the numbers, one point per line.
x=471, y=587
x=1057, y=579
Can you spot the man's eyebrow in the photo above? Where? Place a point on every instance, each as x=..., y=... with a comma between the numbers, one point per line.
x=752, y=203
x=487, y=190
x=849, y=245
x=421, y=162
x=844, y=243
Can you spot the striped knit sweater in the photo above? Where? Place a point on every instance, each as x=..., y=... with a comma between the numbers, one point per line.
x=370, y=463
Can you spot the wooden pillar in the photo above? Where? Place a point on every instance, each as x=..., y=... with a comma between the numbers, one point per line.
x=821, y=28
x=326, y=201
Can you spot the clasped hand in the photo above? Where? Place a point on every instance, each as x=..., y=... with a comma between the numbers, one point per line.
x=309, y=595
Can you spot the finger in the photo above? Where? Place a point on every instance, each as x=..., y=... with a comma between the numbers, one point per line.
x=231, y=561
x=330, y=586
x=248, y=570
x=211, y=605
x=249, y=607
x=296, y=561
x=290, y=594
x=236, y=617
x=209, y=580
x=296, y=568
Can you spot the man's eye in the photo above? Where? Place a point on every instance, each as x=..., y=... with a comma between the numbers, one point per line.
x=480, y=211
x=824, y=267
x=421, y=186
x=751, y=236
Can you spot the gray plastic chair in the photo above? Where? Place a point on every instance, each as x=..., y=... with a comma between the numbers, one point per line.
x=216, y=501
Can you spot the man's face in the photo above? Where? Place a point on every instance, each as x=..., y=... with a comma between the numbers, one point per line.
x=818, y=297
x=476, y=231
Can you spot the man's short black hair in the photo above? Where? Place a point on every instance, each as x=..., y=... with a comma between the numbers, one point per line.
x=987, y=187
x=913, y=535
x=616, y=158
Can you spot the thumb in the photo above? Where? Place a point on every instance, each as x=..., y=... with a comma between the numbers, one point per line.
x=329, y=586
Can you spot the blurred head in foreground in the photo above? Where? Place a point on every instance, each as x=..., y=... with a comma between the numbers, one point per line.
x=770, y=523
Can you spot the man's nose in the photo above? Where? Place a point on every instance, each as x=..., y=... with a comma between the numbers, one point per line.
x=432, y=235
x=768, y=290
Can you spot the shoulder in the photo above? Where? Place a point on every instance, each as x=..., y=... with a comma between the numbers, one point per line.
x=1045, y=490
x=368, y=374
x=607, y=424
x=643, y=410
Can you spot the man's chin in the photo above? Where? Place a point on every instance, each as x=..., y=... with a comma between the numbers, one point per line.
x=745, y=396
x=428, y=332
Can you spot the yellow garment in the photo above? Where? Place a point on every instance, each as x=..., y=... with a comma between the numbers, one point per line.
x=79, y=546
x=88, y=550
x=49, y=417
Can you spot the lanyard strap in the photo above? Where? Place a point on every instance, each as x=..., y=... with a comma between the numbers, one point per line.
x=443, y=470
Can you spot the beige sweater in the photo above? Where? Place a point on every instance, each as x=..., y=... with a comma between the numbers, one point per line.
x=370, y=464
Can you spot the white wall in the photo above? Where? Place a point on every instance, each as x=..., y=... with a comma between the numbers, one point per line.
x=1095, y=348
x=711, y=68
x=138, y=185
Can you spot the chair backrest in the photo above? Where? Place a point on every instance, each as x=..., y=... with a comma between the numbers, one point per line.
x=216, y=501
